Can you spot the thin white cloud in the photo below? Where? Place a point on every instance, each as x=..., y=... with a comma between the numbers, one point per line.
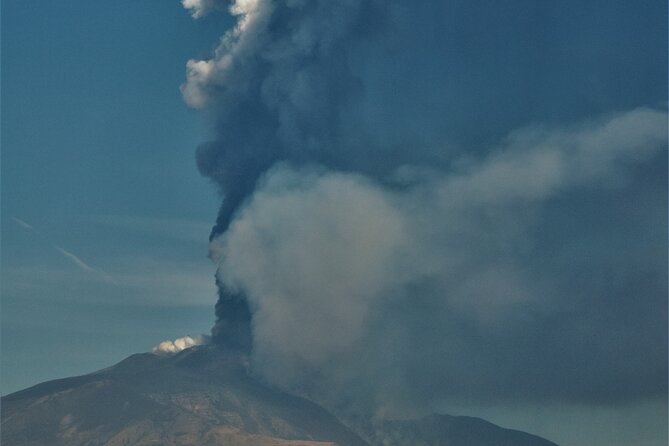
x=163, y=282
x=199, y=8
x=176, y=229
x=76, y=260
x=168, y=282
x=23, y=224
x=73, y=258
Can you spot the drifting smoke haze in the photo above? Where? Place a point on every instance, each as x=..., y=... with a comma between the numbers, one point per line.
x=339, y=270
x=519, y=271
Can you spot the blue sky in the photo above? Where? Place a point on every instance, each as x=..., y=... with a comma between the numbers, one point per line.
x=105, y=218
x=97, y=156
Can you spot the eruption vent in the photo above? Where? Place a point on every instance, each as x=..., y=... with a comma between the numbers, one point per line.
x=179, y=344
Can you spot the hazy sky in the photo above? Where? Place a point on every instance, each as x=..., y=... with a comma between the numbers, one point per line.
x=105, y=217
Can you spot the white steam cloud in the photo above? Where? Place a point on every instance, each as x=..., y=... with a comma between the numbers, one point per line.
x=179, y=344
x=235, y=50
x=200, y=8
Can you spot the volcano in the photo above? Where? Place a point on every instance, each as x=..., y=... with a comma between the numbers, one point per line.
x=201, y=396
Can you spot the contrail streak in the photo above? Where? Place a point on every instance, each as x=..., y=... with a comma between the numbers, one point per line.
x=23, y=224
x=74, y=259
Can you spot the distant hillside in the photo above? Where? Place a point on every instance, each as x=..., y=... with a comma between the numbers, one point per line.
x=201, y=397
x=447, y=430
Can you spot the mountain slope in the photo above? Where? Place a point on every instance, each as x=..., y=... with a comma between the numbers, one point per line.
x=196, y=397
x=201, y=396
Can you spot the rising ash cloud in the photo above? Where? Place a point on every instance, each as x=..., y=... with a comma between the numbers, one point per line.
x=375, y=267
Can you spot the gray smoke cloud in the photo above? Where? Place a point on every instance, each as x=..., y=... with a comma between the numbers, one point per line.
x=377, y=275
x=432, y=291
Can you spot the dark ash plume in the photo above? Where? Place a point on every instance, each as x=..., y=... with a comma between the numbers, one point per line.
x=274, y=90
x=233, y=320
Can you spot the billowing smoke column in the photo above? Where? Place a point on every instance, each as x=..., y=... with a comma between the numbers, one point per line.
x=376, y=279
x=275, y=89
